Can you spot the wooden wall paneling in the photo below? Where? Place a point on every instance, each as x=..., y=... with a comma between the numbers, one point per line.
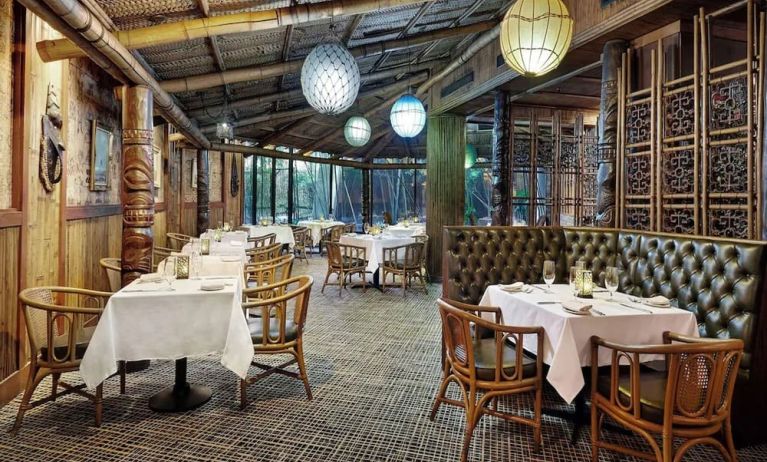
x=91, y=239
x=160, y=228
x=9, y=314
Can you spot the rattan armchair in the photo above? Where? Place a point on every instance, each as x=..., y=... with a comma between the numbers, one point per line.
x=350, y=228
x=330, y=234
x=159, y=254
x=269, y=271
x=405, y=261
x=279, y=328
x=690, y=399
x=424, y=239
x=113, y=271
x=303, y=242
x=263, y=241
x=177, y=241
x=345, y=261
x=60, y=322
x=486, y=369
x=261, y=254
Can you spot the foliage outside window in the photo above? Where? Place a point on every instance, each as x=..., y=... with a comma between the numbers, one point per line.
x=395, y=191
x=263, y=187
x=347, y=195
x=247, y=179
x=479, y=185
x=311, y=190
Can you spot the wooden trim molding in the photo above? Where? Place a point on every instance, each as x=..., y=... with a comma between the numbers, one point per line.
x=80, y=212
x=10, y=218
x=216, y=205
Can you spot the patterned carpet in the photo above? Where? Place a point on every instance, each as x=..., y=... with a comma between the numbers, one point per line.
x=374, y=367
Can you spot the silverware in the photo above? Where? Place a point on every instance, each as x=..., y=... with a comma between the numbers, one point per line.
x=636, y=308
x=547, y=303
x=164, y=289
x=598, y=312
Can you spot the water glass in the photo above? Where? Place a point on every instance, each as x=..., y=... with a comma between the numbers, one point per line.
x=612, y=279
x=169, y=270
x=573, y=279
x=549, y=273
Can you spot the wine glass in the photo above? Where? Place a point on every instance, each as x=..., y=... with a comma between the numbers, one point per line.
x=611, y=280
x=549, y=273
x=573, y=277
x=169, y=270
x=366, y=228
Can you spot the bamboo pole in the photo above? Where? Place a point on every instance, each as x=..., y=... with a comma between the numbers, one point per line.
x=299, y=112
x=118, y=58
x=704, y=63
x=251, y=21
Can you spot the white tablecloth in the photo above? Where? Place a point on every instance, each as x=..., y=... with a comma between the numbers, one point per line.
x=223, y=249
x=567, y=345
x=234, y=236
x=402, y=231
x=284, y=233
x=316, y=227
x=374, y=246
x=169, y=325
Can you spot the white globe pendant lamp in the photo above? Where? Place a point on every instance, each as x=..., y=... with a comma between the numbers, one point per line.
x=330, y=78
x=535, y=36
x=408, y=116
x=357, y=131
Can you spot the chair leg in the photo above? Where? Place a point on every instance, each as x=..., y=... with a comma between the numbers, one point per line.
x=470, y=423
x=302, y=368
x=728, y=440
x=243, y=393
x=594, y=432
x=327, y=276
x=537, y=435
x=438, y=399
x=383, y=279
x=364, y=282
x=404, y=283
x=33, y=380
x=341, y=283
x=99, y=402
x=55, y=385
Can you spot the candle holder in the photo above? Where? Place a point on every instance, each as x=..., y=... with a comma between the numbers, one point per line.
x=205, y=246
x=584, y=284
x=182, y=267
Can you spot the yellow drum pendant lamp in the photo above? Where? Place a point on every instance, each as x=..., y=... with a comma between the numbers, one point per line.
x=535, y=35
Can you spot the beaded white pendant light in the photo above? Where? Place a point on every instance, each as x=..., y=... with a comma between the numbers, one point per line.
x=330, y=78
x=408, y=116
x=535, y=35
x=357, y=131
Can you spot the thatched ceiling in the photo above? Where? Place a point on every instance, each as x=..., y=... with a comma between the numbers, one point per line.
x=235, y=51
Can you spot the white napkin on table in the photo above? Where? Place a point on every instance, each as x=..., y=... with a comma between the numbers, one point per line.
x=515, y=287
x=150, y=277
x=212, y=285
x=658, y=301
x=236, y=243
x=574, y=305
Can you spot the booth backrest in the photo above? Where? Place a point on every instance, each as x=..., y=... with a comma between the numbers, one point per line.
x=719, y=280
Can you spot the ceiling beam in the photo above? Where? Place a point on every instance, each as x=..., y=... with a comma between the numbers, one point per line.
x=286, y=51
x=204, y=7
x=246, y=74
x=75, y=20
x=250, y=21
x=406, y=30
x=469, y=11
x=298, y=112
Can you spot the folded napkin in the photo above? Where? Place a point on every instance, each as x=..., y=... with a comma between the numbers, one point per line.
x=150, y=277
x=236, y=243
x=515, y=287
x=658, y=301
x=212, y=285
x=576, y=306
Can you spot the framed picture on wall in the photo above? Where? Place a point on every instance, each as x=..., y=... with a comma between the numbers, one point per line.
x=101, y=156
x=157, y=159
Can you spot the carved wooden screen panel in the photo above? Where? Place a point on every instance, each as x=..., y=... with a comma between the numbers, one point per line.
x=544, y=161
x=679, y=149
x=588, y=182
x=731, y=138
x=553, y=169
x=638, y=150
x=521, y=170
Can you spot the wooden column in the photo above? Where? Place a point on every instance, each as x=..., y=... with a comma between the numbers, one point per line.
x=291, y=185
x=367, y=209
x=501, y=160
x=445, y=151
x=137, y=184
x=608, y=134
x=203, y=192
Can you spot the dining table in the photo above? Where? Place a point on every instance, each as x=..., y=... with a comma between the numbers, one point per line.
x=567, y=339
x=374, y=246
x=316, y=227
x=231, y=248
x=284, y=233
x=174, y=320
x=406, y=230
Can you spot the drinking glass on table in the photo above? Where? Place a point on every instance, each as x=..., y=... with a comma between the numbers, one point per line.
x=169, y=270
x=611, y=280
x=366, y=228
x=573, y=278
x=549, y=273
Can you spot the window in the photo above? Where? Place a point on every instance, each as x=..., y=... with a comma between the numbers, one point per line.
x=281, y=185
x=395, y=191
x=263, y=193
x=247, y=179
x=311, y=190
x=347, y=195
x=479, y=186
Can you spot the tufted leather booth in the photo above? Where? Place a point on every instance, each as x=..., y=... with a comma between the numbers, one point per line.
x=720, y=281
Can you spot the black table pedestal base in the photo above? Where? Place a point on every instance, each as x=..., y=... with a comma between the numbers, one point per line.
x=181, y=396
